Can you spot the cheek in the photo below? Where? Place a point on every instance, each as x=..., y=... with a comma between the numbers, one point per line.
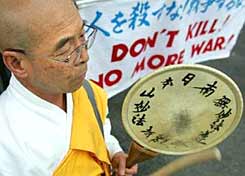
x=38, y=72
x=68, y=77
x=46, y=73
x=62, y=76
x=68, y=74
x=72, y=73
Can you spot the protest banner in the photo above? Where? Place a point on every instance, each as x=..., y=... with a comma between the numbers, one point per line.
x=137, y=37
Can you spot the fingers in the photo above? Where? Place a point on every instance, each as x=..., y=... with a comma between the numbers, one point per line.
x=127, y=172
x=121, y=167
x=132, y=171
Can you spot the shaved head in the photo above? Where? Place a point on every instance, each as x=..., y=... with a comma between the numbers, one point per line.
x=24, y=22
x=48, y=32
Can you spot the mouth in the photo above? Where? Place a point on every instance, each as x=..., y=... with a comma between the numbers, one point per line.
x=83, y=75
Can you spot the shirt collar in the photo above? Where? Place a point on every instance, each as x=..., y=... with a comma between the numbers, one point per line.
x=23, y=94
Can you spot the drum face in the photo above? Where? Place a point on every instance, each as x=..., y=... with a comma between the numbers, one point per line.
x=182, y=109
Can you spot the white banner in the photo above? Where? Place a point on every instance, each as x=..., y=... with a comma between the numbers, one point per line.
x=137, y=37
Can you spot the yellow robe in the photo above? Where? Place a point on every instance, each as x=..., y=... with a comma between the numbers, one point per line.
x=87, y=155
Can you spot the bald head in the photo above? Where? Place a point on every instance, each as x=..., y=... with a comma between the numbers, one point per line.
x=23, y=23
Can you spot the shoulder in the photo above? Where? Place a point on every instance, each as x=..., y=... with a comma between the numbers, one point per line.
x=97, y=89
x=101, y=99
x=99, y=93
x=9, y=151
x=3, y=105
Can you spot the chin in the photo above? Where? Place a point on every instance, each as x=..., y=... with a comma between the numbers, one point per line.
x=75, y=87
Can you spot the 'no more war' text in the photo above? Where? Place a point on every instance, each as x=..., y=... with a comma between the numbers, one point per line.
x=139, y=51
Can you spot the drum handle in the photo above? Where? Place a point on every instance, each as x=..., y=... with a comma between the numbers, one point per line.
x=188, y=160
x=137, y=154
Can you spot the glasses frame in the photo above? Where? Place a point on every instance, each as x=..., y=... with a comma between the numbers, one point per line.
x=87, y=44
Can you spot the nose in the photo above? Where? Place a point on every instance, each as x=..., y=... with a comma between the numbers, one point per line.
x=82, y=56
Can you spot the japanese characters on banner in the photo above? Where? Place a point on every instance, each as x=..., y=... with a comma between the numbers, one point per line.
x=136, y=37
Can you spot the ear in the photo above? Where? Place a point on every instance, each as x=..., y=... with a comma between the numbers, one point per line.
x=16, y=63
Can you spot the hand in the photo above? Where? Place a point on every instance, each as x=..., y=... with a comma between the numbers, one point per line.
x=119, y=165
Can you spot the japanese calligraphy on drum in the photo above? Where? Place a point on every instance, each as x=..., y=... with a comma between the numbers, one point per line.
x=182, y=109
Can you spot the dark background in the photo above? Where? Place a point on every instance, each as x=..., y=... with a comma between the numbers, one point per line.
x=232, y=149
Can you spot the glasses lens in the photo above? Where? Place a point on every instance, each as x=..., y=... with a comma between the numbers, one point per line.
x=90, y=33
x=75, y=55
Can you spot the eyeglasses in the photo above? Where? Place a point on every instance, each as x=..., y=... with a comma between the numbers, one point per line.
x=88, y=40
x=74, y=56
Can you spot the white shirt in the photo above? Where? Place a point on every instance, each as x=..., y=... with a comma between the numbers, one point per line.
x=35, y=134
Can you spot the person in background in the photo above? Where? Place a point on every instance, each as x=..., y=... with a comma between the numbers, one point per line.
x=48, y=122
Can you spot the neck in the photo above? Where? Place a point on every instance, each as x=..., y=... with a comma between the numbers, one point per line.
x=58, y=99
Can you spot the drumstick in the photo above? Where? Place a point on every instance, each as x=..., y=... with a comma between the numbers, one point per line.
x=188, y=160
